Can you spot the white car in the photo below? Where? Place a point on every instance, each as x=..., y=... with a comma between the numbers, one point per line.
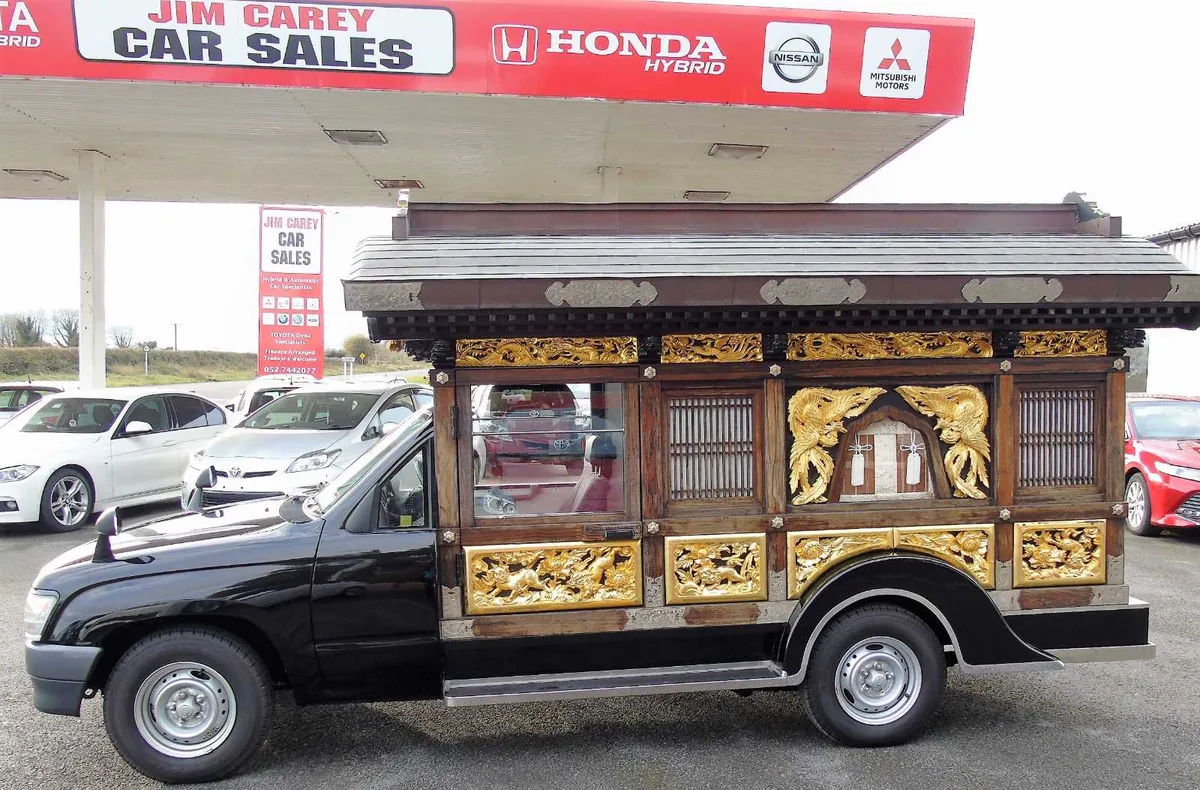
x=76, y=453
x=300, y=440
x=264, y=390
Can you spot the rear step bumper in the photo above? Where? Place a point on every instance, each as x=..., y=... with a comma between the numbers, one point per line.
x=624, y=683
x=1088, y=633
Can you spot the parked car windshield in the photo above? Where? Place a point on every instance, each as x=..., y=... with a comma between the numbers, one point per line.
x=75, y=415
x=314, y=411
x=1167, y=419
x=12, y=400
x=352, y=474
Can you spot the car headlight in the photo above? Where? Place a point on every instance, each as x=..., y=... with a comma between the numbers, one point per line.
x=311, y=462
x=38, y=605
x=12, y=474
x=1187, y=473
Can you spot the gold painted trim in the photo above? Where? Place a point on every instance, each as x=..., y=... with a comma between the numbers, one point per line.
x=813, y=346
x=969, y=547
x=716, y=568
x=1053, y=553
x=519, y=352
x=810, y=554
x=711, y=348
x=553, y=577
x=1072, y=343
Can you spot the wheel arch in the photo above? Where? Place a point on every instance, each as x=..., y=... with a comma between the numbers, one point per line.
x=948, y=600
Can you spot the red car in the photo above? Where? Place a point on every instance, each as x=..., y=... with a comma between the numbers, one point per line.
x=1162, y=463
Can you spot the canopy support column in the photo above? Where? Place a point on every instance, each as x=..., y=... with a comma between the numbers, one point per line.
x=92, y=329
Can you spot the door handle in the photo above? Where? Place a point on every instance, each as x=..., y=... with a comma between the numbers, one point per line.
x=170, y=443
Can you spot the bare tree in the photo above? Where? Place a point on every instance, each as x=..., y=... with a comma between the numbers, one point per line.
x=121, y=336
x=64, y=326
x=29, y=329
x=8, y=331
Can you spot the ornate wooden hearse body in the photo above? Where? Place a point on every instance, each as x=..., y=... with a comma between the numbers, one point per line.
x=805, y=415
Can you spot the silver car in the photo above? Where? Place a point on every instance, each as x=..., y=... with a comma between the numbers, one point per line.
x=301, y=439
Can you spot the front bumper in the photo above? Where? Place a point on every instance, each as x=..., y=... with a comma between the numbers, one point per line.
x=27, y=495
x=233, y=491
x=60, y=675
x=1088, y=633
x=1168, y=496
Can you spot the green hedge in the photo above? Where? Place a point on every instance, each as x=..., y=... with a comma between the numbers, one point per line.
x=53, y=362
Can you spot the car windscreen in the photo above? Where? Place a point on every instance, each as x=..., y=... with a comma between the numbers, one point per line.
x=349, y=477
x=263, y=397
x=74, y=415
x=314, y=411
x=1166, y=419
x=10, y=399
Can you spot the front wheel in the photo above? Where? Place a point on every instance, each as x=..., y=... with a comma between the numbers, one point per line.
x=188, y=705
x=875, y=678
x=67, y=501
x=1137, y=504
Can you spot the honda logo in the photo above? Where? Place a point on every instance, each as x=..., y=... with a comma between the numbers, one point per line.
x=515, y=45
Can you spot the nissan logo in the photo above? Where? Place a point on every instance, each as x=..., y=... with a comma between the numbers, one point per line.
x=797, y=59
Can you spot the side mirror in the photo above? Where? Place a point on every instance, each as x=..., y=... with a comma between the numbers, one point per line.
x=137, y=427
x=230, y=407
x=207, y=478
x=388, y=427
x=372, y=433
x=109, y=522
x=195, y=500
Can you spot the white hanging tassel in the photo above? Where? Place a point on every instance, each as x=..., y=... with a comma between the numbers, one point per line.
x=858, y=463
x=912, y=475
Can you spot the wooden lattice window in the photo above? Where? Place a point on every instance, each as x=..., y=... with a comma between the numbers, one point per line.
x=712, y=440
x=1058, y=443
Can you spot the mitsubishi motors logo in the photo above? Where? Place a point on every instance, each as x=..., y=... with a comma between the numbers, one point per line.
x=515, y=45
x=895, y=59
x=895, y=62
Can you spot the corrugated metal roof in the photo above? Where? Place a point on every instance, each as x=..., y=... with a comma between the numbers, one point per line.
x=547, y=257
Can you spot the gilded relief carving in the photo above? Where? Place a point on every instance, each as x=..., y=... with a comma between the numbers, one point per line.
x=1066, y=552
x=816, y=418
x=553, y=577
x=1085, y=343
x=810, y=554
x=546, y=352
x=716, y=568
x=962, y=414
x=968, y=547
x=889, y=345
x=712, y=348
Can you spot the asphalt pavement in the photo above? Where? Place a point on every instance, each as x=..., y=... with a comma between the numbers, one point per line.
x=1090, y=727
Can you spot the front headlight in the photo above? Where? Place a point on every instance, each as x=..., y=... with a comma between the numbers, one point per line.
x=38, y=605
x=312, y=462
x=1187, y=473
x=12, y=474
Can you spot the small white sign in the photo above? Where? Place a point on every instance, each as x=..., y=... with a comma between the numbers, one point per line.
x=268, y=303
x=796, y=58
x=297, y=319
x=284, y=319
x=895, y=62
x=314, y=304
x=268, y=319
x=283, y=303
x=313, y=319
x=292, y=243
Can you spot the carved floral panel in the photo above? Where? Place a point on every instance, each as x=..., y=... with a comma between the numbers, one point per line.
x=810, y=554
x=968, y=547
x=1057, y=553
x=716, y=568
x=546, y=352
x=553, y=577
x=1081, y=343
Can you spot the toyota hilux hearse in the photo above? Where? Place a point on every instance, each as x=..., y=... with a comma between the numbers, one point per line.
x=829, y=450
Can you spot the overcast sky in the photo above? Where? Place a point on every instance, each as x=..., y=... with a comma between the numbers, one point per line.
x=1088, y=96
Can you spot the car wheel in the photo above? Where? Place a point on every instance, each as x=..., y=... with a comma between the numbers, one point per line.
x=188, y=705
x=875, y=677
x=1137, y=507
x=67, y=501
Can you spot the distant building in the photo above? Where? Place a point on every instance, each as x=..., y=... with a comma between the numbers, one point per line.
x=1170, y=345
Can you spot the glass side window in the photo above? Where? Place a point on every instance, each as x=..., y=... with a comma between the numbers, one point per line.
x=540, y=449
x=214, y=415
x=402, y=501
x=314, y=411
x=189, y=413
x=398, y=408
x=152, y=411
x=1167, y=420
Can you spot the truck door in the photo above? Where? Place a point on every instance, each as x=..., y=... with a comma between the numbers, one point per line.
x=374, y=605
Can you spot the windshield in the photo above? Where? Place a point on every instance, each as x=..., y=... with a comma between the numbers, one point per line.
x=13, y=400
x=328, y=496
x=75, y=415
x=314, y=411
x=1167, y=419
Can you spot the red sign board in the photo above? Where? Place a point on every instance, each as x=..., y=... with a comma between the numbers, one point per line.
x=622, y=50
x=291, y=314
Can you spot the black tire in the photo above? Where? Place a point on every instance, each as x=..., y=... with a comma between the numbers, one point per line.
x=249, y=686
x=1137, y=519
x=82, y=485
x=826, y=672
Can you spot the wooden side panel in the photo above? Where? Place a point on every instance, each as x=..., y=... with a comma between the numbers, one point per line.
x=775, y=447
x=445, y=457
x=653, y=442
x=466, y=471
x=1005, y=460
x=633, y=452
x=1114, y=457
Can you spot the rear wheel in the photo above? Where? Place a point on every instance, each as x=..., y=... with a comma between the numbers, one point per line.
x=1137, y=513
x=875, y=677
x=67, y=501
x=188, y=705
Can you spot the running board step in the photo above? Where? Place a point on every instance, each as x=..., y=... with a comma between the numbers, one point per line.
x=620, y=683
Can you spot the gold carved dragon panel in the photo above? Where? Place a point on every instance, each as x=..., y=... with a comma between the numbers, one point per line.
x=961, y=412
x=516, y=352
x=814, y=346
x=1070, y=343
x=716, y=568
x=543, y=577
x=816, y=418
x=712, y=348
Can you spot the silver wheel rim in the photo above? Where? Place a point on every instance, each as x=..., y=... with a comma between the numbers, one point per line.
x=878, y=680
x=185, y=710
x=69, y=501
x=1136, y=499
